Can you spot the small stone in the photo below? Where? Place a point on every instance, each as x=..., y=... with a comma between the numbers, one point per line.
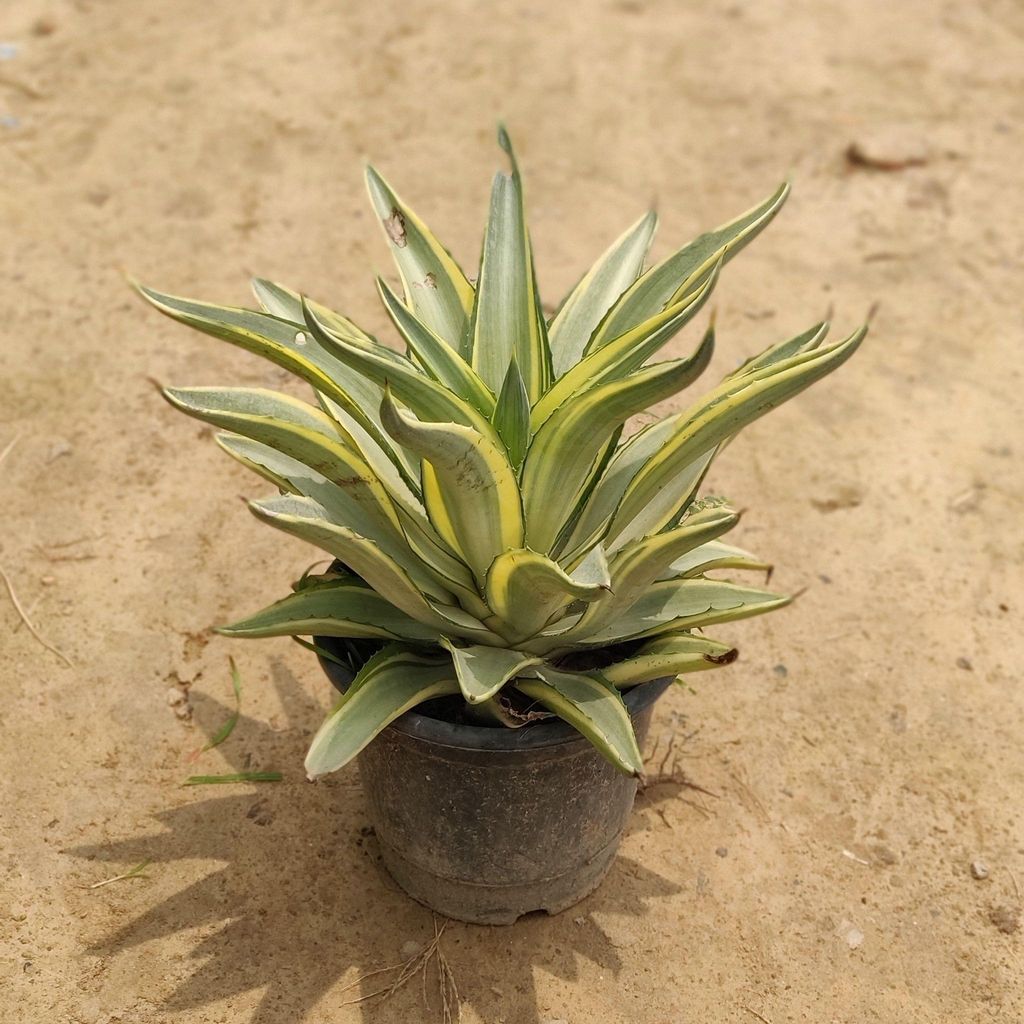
x=965, y=664
x=410, y=949
x=781, y=671
x=1006, y=917
x=850, y=934
x=183, y=711
x=59, y=448
x=44, y=26
x=48, y=581
x=175, y=696
x=722, y=851
x=579, y=920
x=979, y=870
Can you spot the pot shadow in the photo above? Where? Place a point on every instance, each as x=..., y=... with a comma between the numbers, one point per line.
x=303, y=899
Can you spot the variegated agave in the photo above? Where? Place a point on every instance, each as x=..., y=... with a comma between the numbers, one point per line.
x=500, y=536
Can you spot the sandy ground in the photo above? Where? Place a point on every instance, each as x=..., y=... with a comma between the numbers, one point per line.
x=863, y=752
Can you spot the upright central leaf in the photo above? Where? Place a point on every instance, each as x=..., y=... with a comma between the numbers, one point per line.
x=507, y=316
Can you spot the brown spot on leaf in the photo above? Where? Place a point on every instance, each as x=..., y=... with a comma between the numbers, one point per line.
x=723, y=659
x=394, y=225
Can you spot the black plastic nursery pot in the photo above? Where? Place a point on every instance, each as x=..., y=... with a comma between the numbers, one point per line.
x=487, y=824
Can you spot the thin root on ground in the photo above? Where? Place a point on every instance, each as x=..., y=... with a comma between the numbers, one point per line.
x=418, y=963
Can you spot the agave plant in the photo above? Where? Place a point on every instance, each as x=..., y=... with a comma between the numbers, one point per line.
x=497, y=533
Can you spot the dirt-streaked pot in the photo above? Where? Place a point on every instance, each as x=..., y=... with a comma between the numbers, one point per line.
x=487, y=824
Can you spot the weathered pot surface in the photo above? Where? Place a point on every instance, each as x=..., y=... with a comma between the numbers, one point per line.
x=487, y=824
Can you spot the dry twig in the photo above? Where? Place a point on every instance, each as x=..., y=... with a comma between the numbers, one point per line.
x=1016, y=887
x=135, y=872
x=7, y=448
x=28, y=622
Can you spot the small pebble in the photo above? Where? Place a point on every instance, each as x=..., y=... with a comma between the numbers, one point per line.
x=965, y=664
x=8, y=51
x=979, y=870
x=48, y=581
x=59, y=448
x=411, y=948
x=44, y=26
x=850, y=933
x=175, y=696
x=722, y=851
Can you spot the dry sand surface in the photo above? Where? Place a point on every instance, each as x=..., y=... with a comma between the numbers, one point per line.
x=866, y=748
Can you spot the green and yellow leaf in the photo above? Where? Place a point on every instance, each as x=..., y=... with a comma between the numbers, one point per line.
x=306, y=519
x=714, y=555
x=482, y=671
x=526, y=589
x=734, y=404
x=629, y=352
x=507, y=318
x=585, y=306
x=591, y=706
x=511, y=417
x=436, y=289
x=335, y=607
x=437, y=357
x=681, y=272
x=668, y=607
x=565, y=448
x=389, y=684
x=426, y=397
x=640, y=563
x=673, y=655
x=469, y=487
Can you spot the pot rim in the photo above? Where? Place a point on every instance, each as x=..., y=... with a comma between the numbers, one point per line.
x=533, y=736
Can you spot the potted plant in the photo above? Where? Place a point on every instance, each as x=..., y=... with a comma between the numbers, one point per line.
x=511, y=562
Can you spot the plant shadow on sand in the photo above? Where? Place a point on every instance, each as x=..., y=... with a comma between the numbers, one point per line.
x=304, y=902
